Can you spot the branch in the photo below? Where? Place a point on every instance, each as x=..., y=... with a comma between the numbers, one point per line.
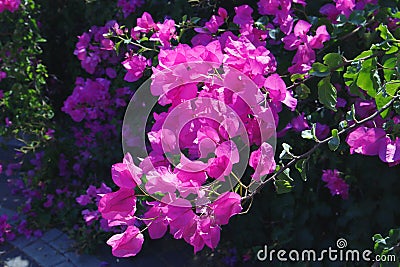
x=308, y=153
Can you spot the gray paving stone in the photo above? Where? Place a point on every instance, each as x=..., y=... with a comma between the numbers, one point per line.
x=82, y=260
x=5, y=248
x=22, y=242
x=51, y=235
x=43, y=254
x=63, y=244
x=65, y=264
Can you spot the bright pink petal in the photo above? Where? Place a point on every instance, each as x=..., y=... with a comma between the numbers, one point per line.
x=227, y=205
x=118, y=204
x=127, y=244
x=302, y=27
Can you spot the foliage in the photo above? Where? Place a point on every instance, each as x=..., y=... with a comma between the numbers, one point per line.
x=329, y=72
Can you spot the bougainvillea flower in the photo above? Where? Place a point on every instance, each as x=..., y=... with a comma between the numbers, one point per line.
x=10, y=5
x=365, y=140
x=156, y=220
x=226, y=206
x=262, y=161
x=126, y=174
x=276, y=87
x=336, y=185
x=127, y=244
x=243, y=15
x=389, y=151
x=118, y=205
x=145, y=23
x=135, y=65
x=304, y=44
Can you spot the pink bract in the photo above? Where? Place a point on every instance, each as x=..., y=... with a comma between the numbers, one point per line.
x=127, y=244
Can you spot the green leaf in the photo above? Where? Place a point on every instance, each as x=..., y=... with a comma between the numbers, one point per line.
x=343, y=125
x=310, y=134
x=302, y=91
x=355, y=90
x=117, y=45
x=396, y=107
x=341, y=19
x=351, y=74
x=392, y=50
x=313, y=131
x=377, y=237
x=357, y=18
x=381, y=101
x=283, y=182
x=301, y=166
x=286, y=154
x=364, y=54
x=319, y=70
x=392, y=87
x=194, y=20
x=297, y=76
x=306, y=134
x=335, y=141
x=395, y=233
x=351, y=114
x=282, y=186
x=385, y=34
x=389, y=68
x=41, y=40
x=368, y=78
x=327, y=94
x=333, y=61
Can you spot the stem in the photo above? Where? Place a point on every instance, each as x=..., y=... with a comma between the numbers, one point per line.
x=308, y=153
x=139, y=45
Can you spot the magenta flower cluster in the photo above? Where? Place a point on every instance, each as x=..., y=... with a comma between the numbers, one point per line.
x=10, y=5
x=373, y=142
x=344, y=7
x=98, y=100
x=304, y=45
x=92, y=55
x=282, y=12
x=198, y=228
x=248, y=54
x=371, y=139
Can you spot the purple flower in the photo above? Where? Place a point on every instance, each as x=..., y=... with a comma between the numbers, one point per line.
x=135, y=65
x=243, y=15
x=83, y=200
x=304, y=44
x=129, y=6
x=336, y=185
x=49, y=201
